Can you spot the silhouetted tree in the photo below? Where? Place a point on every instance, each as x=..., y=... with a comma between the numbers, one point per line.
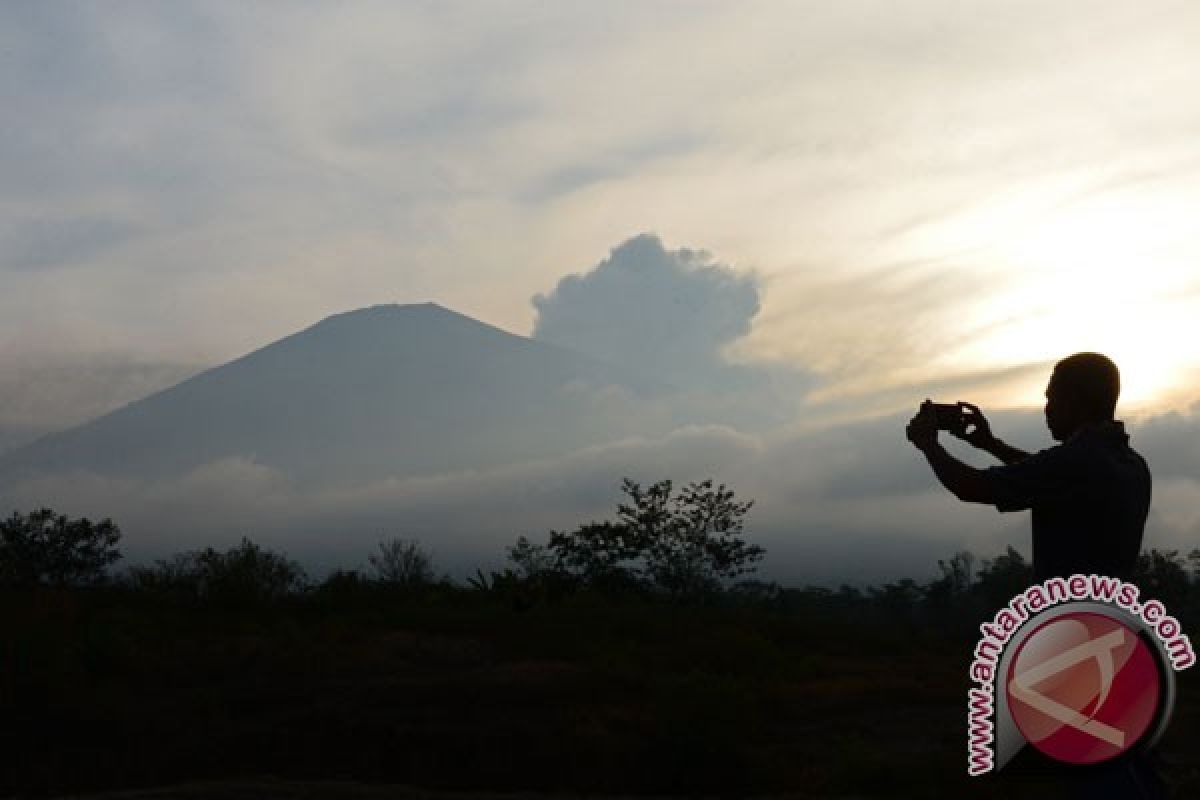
x=537, y=576
x=1001, y=578
x=600, y=554
x=958, y=576
x=531, y=560
x=698, y=545
x=245, y=573
x=401, y=561
x=48, y=548
x=683, y=544
x=902, y=597
x=1162, y=575
x=343, y=584
x=756, y=591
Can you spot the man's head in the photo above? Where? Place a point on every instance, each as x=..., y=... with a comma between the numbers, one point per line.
x=1083, y=389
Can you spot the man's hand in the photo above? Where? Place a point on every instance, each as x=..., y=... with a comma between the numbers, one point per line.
x=964, y=482
x=922, y=428
x=981, y=436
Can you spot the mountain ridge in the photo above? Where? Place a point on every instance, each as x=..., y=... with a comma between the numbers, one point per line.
x=358, y=394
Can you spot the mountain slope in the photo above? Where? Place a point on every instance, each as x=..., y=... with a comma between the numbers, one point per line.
x=382, y=391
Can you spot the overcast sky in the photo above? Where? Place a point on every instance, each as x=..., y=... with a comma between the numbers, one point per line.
x=927, y=188
x=908, y=197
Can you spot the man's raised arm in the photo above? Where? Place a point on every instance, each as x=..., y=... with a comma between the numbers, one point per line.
x=1005, y=452
x=962, y=480
x=981, y=436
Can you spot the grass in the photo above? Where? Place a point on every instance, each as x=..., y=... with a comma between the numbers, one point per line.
x=398, y=693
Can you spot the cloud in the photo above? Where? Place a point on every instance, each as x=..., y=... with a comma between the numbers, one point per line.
x=34, y=244
x=198, y=158
x=673, y=314
x=854, y=502
x=466, y=517
x=44, y=394
x=821, y=515
x=666, y=311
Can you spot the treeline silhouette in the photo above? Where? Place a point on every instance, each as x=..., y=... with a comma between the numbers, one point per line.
x=685, y=546
x=635, y=655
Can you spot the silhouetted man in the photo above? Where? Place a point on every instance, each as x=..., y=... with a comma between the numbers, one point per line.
x=1089, y=495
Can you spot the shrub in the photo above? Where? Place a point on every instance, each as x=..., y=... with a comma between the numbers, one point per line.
x=246, y=573
x=1163, y=575
x=403, y=562
x=48, y=548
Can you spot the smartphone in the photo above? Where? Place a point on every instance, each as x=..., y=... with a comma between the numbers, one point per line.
x=950, y=417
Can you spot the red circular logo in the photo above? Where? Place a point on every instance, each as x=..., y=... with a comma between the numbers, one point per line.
x=1083, y=688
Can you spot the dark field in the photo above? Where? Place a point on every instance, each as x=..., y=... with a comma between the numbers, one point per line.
x=372, y=691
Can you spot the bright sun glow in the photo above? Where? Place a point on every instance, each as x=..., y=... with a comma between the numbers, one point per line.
x=1106, y=274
